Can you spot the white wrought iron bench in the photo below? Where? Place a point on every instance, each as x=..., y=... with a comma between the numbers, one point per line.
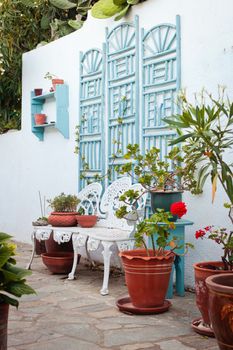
x=110, y=230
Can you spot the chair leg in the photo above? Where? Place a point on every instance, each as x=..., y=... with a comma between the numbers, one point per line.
x=75, y=261
x=33, y=238
x=107, y=255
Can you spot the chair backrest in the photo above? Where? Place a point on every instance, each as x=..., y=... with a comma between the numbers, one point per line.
x=110, y=202
x=90, y=198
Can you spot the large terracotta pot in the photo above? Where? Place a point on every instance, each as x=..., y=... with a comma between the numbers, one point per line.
x=58, y=262
x=52, y=246
x=86, y=220
x=4, y=310
x=62, y=219
x=221, y=308
x=201, y=273
x=147, y=277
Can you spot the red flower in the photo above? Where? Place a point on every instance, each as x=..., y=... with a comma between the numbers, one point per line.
x=200, y=233
x=207, y=228
x=178, y=208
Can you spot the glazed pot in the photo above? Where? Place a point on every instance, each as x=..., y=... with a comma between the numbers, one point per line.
x=147, y=277
x=202, y=270
x=164, y=200
x=62, y=219
x=57, y=82
x=4, y=310
x=40, y=118
x=221, y=308
x=86, y=220
x=38, y=92
x=58, y=262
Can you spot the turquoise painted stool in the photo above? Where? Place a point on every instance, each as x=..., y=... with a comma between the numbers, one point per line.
x=178, y=266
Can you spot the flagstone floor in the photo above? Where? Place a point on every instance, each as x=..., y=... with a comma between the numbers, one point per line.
x=72, y=315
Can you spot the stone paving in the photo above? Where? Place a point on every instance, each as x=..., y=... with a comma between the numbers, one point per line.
x=72, y=315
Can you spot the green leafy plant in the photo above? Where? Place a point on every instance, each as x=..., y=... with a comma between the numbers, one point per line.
x=64, y=203
x=155, y=174
x=12, y=278
x=109, y=8
x=205, y=131
x=149, y=227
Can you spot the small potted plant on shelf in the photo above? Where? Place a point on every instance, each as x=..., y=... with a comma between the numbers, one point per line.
x=205, y=130
x=147, y=271
x=40, y=118
x=38, y=91
x=12, y=284
x=55, y=80
x=164, y=182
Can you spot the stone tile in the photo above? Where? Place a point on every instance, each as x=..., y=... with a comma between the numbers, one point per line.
x=173, y=345
x=140, y=346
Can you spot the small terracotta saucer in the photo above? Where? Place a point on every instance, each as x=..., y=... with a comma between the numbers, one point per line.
x=124, y=304
x=198, y=327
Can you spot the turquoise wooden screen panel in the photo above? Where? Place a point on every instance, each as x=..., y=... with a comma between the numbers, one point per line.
x=91, y=152
x=122, y=58
x=161, y=76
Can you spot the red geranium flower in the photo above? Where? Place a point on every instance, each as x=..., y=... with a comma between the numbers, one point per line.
x=200, y=234
x=178, y=208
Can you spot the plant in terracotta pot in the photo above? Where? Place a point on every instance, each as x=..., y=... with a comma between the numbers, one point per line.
x=147, y=271
x=40, y=118
x=12, y=284
x=205, y=130
x=164, y=182
x=54, y=79
x=84, y=219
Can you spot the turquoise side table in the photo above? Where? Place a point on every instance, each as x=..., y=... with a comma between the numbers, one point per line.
x=178, y=266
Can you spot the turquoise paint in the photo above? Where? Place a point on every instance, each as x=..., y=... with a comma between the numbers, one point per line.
x=61, y=100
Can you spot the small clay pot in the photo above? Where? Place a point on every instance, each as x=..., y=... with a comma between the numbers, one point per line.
x=38, y=92
x=57, y=82
x=86, y=220
x=58, y=262
x=40, y=118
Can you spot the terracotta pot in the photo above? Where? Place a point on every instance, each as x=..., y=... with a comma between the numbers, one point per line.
x=58, y=262
x=52, y=246
x=40, y=247
x=38, y=92
x=221, y=308
x=4, y=310
x=147, y=277
x=57, y=82
x=201, y=273
x=40, y=118
x=86, y=220
x=62, y=219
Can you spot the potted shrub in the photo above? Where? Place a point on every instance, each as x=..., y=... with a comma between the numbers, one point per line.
x=55, y=80
x=12, y=284
x=147, y=271
x=164, y=183
x=64, y=207
x=86, y=220
x=205, y=131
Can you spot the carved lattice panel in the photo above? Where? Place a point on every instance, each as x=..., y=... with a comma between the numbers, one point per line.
x=91, y=154
x=122, y=57
x=160, y=83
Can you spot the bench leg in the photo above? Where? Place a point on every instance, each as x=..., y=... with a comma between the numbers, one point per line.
x=107, y=255
x=76, y=246
x=33, y=238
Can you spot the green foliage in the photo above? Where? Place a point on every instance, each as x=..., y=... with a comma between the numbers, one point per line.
x=64, y=203
x=155, y=174
x=205, y=130
x=109, y=8
x=12, y=278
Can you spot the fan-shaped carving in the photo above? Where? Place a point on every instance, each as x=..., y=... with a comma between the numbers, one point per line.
x=92, y=61
x=159, y=39
x=121, y=37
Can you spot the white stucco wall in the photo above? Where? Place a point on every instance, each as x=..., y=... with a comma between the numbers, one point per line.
x=27, y=165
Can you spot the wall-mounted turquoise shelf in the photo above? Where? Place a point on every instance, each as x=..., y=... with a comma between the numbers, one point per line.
x=61, y=101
